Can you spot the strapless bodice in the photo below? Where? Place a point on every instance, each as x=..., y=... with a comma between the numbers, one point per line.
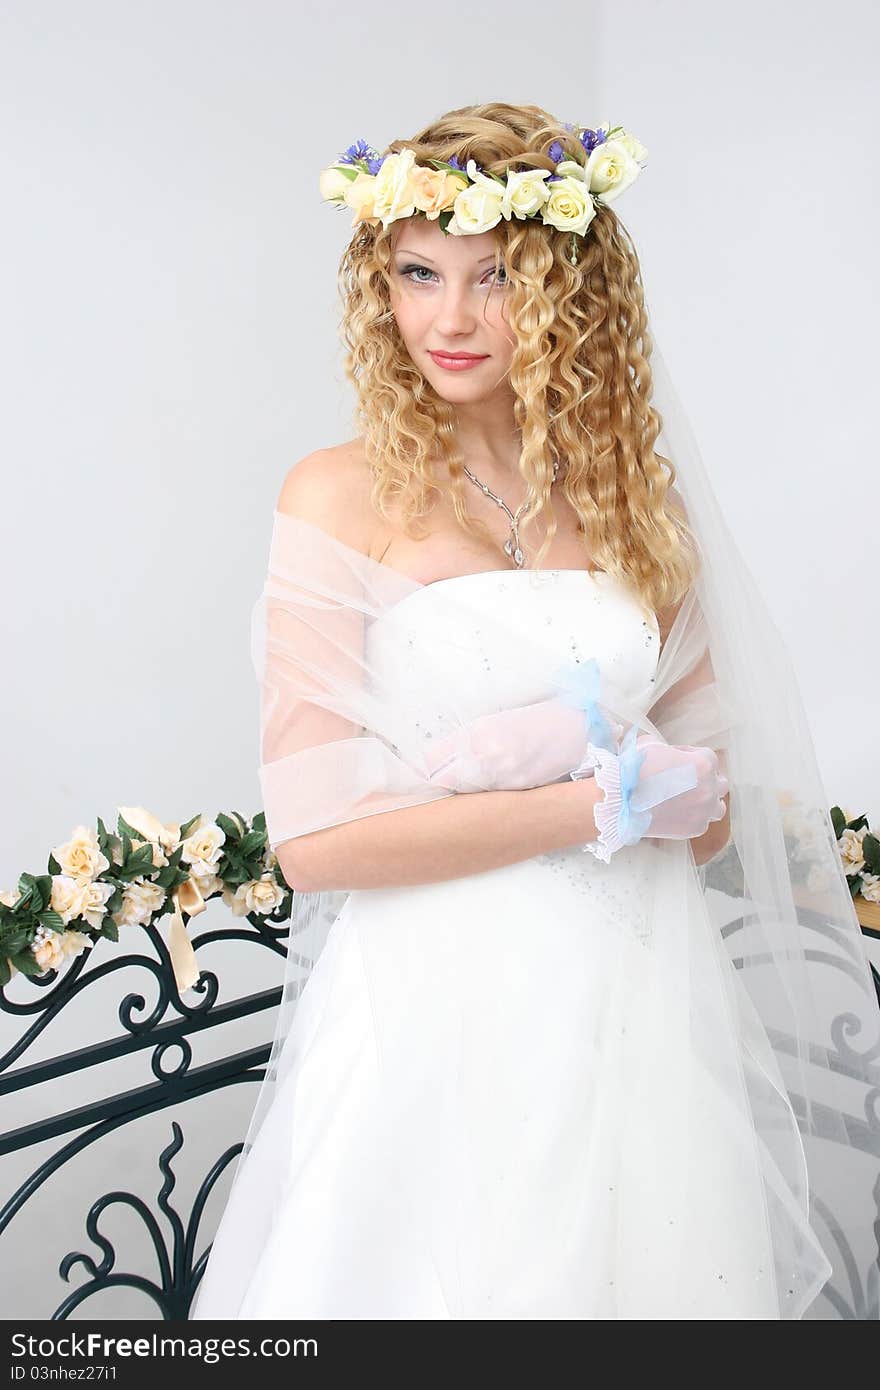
x=493, y=639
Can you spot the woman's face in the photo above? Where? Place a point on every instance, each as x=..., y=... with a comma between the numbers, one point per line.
x=446, y=299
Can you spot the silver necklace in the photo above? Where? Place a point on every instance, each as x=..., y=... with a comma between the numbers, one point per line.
x=511, y=545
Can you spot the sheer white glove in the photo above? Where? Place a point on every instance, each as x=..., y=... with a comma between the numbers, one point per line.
x=657, y=789
x=513, y=749
x=528, y=746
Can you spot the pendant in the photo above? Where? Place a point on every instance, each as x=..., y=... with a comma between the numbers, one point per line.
x=515, y=553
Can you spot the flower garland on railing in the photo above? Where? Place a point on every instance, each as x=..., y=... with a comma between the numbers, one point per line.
x=860, y=852
x=98, y=882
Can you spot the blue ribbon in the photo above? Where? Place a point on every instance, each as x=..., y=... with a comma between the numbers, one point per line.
x=578, y=685
x=635, y=813
x=632, y=822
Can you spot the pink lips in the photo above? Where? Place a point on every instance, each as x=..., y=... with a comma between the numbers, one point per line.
x=457, y=362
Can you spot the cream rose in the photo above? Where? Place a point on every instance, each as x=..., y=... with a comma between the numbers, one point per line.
x=9, y=899
x=74, y=942
x=208, y=883
x=851, y=849
x=49, y=952
x=262, y=894
x=393, y=192
x=81, y=857
x=633, y=147
x=141, y=900
x=333, y=183
x=525, y=193
x=51, y=948
x=477, y=207
x=203, y=847
x=569, y=207
x=68, y=897
x=570, y=169
x=871, y=887
x=610, y=169
x=359, y=197
x=435, y=190
x=94, y=903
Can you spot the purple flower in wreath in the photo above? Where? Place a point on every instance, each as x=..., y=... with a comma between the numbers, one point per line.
x=358, y=150
x=456, y=163
x=556, y=152
x=591, y=138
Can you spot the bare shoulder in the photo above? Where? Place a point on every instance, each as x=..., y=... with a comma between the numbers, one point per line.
x=331, y=489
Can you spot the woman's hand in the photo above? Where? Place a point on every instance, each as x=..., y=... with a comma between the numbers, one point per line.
x=529, y=746
x=655, y=789
x=687, y=814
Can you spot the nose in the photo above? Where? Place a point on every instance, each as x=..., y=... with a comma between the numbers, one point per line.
x=455, y=314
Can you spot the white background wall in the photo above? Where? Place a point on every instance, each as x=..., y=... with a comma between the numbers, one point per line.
x=168, y=347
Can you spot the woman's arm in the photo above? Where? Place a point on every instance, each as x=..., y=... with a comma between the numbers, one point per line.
x=447, y=838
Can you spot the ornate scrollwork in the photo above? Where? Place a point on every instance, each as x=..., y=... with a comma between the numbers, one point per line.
x=178, y=1271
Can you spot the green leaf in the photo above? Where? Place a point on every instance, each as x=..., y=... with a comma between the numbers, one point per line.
x=188, y=826
x=139, y=860
x=871, y=852
x=26, y=886
x=53, y=920
x=231, y=829
x=5, y=972
x=109, y=929
x=254, y=840
x=16, y=941
x=838, y=820
x=114, y=902
x=25, y=962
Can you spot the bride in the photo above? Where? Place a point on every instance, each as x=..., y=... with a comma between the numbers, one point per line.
x=517, y=697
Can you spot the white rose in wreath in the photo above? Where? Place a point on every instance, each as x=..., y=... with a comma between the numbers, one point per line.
x=258, y=895
x=81, y=856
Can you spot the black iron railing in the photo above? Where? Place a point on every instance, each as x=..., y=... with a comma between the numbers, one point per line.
x=169, y=1024
x=172, y=1022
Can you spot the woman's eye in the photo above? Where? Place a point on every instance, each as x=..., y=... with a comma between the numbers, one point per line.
x=411, y=272
x=412, y=269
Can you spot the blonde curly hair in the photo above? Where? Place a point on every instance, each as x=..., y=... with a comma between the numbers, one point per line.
x=580, y=371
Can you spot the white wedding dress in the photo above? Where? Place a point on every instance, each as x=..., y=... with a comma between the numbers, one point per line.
x=497, y=1109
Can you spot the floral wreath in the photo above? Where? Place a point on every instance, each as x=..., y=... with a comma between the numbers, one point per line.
x=466, y=201
x=98, y=883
